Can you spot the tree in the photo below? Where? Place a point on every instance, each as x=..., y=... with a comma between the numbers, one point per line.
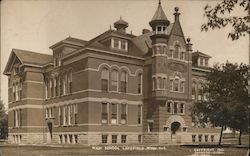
x=3, y=122
x=218, y=17
x=226, y=102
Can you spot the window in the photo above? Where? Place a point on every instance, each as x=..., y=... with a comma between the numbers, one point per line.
x=175, y=107
x=124, y=114
x=113, y=113
x=70, y=139
x=104, y=139
x=56, y=86
x=169, y=107
x=150, y=127
x=124, y=80
x=61, y=86
x=75, y=113
x=164, y=83
x=193, y=138
x=200, y=92
x=70, y=82
x=140, y=83
x=123, y=139
x=104, y=113
x=154, y=84
x=176, y=85
x=116, y=43
x=114, y=80
x=182, y=56
x=193, y=90
x=51, y=87
x=76, y=139
x=124, y=45
x=60, y=113
x=17, y=118
x=160, y=29
x=201, y=61
x=139, y=121
x=60, y=139
x=65, y=138
x=139, y=138
x=104, y=79
x=114, y=139
x=206, y=138
x=171, y=87
x=176, y=51
x=46, y=89
x=182, y=108
x=200, y=138
x=206, y=62
x=182, y=86
x=212, y=138
x=65, y=84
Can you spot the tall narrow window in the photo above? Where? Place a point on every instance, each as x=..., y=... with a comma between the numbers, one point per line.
x=65, y=84
x=175, y=107
x=169, y=107
x=176, y=85
x=124, y=80
x=199, y=91
x=154, y=83
x=176, y=51
x=114, y=80
x=171, y=87
x=104, y=113
x=182, y=86
x=61, y=85
x=140, y=83
x=139, y=121
x=124, y=114
x=116, y=43
x=113, y=113
x=51, y=85
x=104, y=79
x=75, y=107
x=193, y=90
x=150, y=127
x=123, y=139
x=182, y=108
x=70, y=82
x=56, y=86
x=114, y=139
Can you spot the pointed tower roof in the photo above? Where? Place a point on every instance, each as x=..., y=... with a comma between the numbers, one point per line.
x=159, y=16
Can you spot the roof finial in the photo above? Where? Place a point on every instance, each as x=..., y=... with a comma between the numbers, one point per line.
x=159, y=2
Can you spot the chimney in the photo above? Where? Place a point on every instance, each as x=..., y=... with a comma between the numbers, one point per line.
x=144, y=31
x=176, y=14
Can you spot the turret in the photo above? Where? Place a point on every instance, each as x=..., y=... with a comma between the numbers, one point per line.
x=121, y=25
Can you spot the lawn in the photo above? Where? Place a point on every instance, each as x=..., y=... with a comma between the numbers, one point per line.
x=28, y=150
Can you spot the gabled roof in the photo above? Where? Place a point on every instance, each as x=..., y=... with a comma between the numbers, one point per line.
x=198, y=53
x=70, y=40
x=27, y=58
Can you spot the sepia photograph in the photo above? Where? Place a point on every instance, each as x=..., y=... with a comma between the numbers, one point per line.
x=124, y=77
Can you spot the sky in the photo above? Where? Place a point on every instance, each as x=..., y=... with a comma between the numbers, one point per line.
x=36, y=25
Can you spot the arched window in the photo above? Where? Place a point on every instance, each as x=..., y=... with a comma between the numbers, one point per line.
x=139, y=83
x=104, y=79
x=169, y=105
x=176, y=50
x=114, y=80
x=124, y=81
x=164, y=83
x=159, y=83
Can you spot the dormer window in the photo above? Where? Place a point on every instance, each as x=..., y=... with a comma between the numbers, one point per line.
x=203, y=62
x=119, y=44
x=160, y=29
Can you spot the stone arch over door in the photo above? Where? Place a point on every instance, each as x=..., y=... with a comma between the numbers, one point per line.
x=175, y=119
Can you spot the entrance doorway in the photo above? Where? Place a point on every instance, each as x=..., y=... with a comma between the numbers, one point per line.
x=175, y=127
